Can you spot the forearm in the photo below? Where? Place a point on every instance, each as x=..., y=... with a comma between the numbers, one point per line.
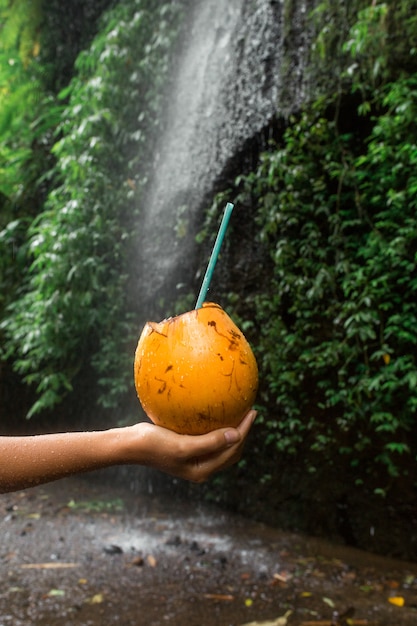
x=29, y=461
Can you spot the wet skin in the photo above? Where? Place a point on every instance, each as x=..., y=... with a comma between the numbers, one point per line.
x=32, y=460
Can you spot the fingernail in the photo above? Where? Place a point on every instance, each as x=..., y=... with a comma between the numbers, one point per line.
x=232, y=436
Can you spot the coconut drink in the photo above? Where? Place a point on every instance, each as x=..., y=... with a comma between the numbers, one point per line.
x=195, y=372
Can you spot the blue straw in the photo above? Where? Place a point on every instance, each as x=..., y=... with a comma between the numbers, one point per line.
x=214, y=255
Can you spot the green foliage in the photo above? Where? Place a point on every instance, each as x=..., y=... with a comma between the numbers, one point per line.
x=20, y=90
x=27, y=115
x=20, y=20
x=74, y=304
x=38, y=46
x=365, y=44
x=337, y=321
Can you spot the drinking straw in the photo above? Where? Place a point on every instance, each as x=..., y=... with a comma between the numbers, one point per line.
x=214, y=255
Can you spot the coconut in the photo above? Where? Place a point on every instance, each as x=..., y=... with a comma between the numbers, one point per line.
x=195, y=372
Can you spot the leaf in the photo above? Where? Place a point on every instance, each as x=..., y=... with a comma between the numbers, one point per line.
x=15, y=589
x=151, y=560
x=98, y=598
x=55, y=593
x=393, y=584
x=397, y=600
x=282, y=577
x=53, y=565
x=350, y=622
x=223, y=597
x=279, y=621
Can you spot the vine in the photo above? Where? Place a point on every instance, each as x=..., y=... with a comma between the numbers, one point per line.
x=335, y=204
x=75, y=302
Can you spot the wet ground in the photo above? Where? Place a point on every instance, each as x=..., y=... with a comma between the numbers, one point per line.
x=79, y=552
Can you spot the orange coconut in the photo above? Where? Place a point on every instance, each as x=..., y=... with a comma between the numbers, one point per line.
x=195, y=372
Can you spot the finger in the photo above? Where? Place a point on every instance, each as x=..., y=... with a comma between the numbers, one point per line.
x=211, y=443
x=206, y=465
x=247, y=422
x=222, y=438
x=243, y=428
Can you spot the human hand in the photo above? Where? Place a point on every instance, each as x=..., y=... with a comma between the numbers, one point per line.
x=191, y=457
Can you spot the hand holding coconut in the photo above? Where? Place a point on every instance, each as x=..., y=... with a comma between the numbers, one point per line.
x=33, y=460
x=190, y=457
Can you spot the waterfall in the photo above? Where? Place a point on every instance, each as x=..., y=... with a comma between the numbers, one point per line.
x=239, y=67
x=224, y=89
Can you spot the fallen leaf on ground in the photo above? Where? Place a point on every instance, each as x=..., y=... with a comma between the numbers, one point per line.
x=224, y=597
x=54, y=593
x=53, y=565
x=282, y=577
x=397, y=600
x=151, y=560
x=392, y=584
x=98, y=598
x=327, y=622
x=279, y=621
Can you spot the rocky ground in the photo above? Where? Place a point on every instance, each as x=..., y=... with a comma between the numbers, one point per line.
x=83, y=552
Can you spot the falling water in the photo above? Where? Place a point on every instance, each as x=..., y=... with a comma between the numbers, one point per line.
x=224, y=90
x=228, y=84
